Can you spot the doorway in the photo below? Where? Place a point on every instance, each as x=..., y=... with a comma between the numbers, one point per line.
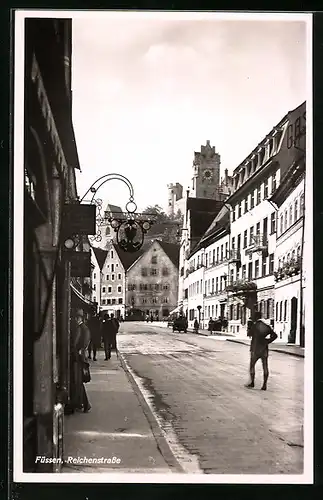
x=293, y=321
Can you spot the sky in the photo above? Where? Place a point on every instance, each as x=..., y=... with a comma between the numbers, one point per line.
x=147, y=93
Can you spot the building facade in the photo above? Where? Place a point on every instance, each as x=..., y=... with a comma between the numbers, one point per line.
x=152, y=281
x=49, y=194
x=240, y=257
x=289, y=274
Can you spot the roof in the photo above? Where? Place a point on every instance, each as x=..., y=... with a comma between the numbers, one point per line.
x=113, y=208
x=100, y=255
x=290, y=180
x=268, y=135
x=127, y=258
x=172, y=250
x=204, y=204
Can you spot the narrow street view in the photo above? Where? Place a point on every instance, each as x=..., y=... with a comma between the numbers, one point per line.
x=194, y=385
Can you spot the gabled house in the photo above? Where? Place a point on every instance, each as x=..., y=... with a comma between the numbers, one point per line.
x=152, y=281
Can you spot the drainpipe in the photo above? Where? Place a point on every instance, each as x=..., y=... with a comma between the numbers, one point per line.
x=229, y=207
x=301, y=326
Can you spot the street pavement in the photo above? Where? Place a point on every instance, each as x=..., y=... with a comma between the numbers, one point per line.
x=194, y=385
x=118, y=431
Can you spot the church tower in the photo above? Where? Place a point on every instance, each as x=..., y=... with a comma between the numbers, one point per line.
x=206, y=173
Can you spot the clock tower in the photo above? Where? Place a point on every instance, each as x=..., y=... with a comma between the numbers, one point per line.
x=206, y=173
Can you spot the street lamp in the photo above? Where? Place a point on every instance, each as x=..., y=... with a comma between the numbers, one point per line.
x=130, y=226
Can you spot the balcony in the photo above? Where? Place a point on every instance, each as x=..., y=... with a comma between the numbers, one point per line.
x=259, y=244
x=241, y=286
x=289, y=269
x=234, y=256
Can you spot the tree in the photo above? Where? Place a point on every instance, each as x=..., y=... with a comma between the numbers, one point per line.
x=170, y=224
x=158, y=212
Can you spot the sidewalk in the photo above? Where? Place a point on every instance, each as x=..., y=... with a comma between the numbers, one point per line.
x=120, y=430
x=276, y=346
x=293, y=350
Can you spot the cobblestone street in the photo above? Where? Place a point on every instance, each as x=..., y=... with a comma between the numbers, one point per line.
x=195, y=386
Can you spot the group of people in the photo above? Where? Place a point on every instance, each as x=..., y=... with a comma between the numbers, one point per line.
x=86, y=337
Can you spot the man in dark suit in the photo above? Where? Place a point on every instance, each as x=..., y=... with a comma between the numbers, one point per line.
x=94, y=326
x=259, y=332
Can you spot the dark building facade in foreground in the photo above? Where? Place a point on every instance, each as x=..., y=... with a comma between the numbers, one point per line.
x=50, y=160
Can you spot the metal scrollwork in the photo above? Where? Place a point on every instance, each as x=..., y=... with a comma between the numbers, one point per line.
x=129, y=226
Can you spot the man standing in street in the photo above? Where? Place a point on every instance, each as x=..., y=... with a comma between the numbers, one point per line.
x=110, y=329
x=94, y=326
x=80, y=344
x=259, y=332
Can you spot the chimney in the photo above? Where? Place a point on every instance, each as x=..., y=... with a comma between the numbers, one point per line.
x=226, y=176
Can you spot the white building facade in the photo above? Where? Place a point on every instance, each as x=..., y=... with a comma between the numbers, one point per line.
x=289, y=274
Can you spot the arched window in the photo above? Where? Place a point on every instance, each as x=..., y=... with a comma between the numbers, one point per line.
x=107, y=231
x=293, y=255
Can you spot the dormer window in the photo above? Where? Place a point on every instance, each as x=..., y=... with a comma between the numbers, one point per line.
x=261, y=156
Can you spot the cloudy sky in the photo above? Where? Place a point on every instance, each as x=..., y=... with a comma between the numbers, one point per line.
x=148, y=92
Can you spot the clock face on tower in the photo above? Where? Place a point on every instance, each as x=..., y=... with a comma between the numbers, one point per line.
x=207, y=174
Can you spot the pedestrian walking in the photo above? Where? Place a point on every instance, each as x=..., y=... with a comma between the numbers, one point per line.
x=259, y=332
x=80, y=343
x=110, y=328
x=196, y=326
x=95, y=343
x=211, y=326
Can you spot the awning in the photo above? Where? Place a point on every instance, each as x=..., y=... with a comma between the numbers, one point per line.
x=79, y=301
x=176, y=310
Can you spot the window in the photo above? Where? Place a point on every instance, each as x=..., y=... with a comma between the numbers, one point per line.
x=103, y=289
x=212, y=289
x=233, y=243
x=165, y=286
x=302, y=204
x=273, y=183
x=112, y=268
x=111, y=254
x=119, y=276
x=94, y=286
x=265, y=230
x=109, y=289
x=244, y=269
x=245, y=239
x=143, y=271
x=257, y=268
x=108, y=277
x=285, y=310
x=240, y=209
x=165, y=300
x=239, y=242
x=258, y=195
x=252, y=200
x=246, y=205
x=94, y=276
x=234, y=214
x=154, y=259
x=280, y=311
x=251, y=236
x=153, y=272
x=113, y=301
x=250, y=271
x=273, y=223
x=291, y=215
x=281, y=228
x=217, y=284
x=231, y=275
x=221, y=253
x=165, y=271
x=108, y=301
x=277, y=311
x=266, y=189
x=226, y=250
x=217, y=254
x=213, y=257
x=206, y=261
x=296, y=211
x=271, y=263
x=103, y=301
x=258, y=228
x=120, y=301
x=264, y=266
x=286, y=219
x=112, y=277
x=119, y=289
x=130, y=287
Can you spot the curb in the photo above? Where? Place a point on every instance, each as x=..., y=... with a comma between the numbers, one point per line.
x=162, y=444
x=283, y=351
